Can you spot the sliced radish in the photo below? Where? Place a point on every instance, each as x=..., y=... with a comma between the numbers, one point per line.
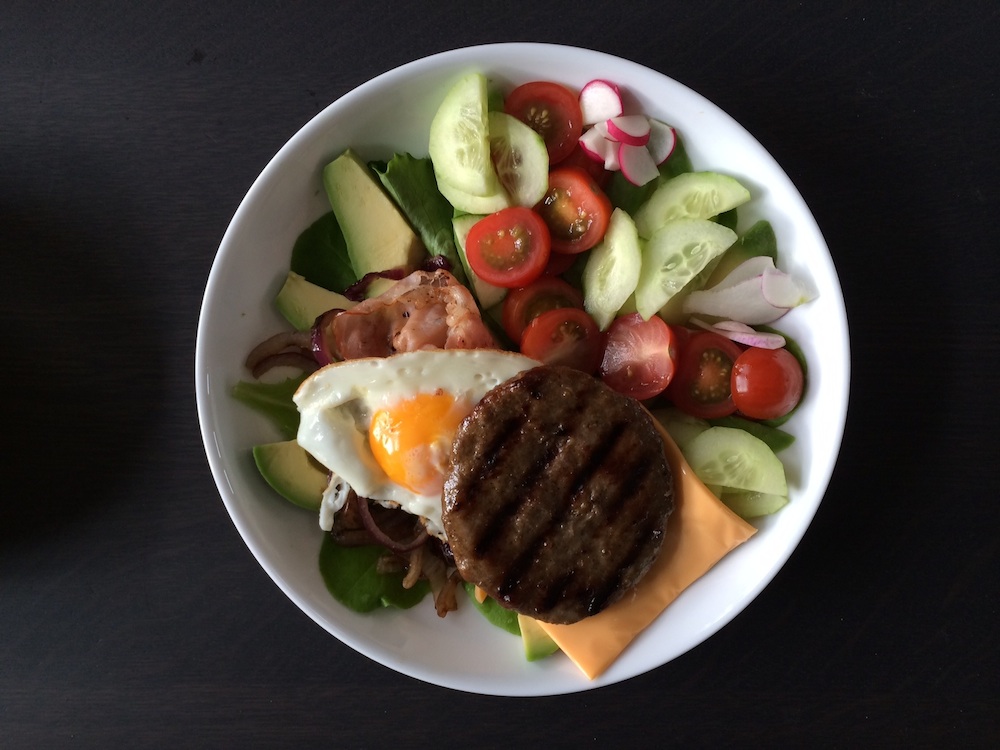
x=594, y=144
x=743, y=334
x=602, y=128
x=636, y=164
x=612, y=159
x=599, y=100
x=662, y=140
x=630, y=129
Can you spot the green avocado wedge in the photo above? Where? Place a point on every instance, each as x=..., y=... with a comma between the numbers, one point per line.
x=378, y=236
x=292, y=473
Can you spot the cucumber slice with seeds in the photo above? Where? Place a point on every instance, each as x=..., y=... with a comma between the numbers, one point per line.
x=753, y=504
x=612, y=270
x=736, y=460
x=692, y=195
x=459, y=144
x=675, y=255
x=520, y=159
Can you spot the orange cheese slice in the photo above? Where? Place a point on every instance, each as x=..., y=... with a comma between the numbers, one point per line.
x=701, y=531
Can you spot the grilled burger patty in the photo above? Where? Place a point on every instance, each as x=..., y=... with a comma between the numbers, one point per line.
x=558, y=496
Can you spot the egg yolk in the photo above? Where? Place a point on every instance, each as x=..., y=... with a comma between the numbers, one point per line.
x=411, y=440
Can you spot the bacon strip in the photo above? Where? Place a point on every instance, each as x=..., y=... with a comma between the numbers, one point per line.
x=425, y=310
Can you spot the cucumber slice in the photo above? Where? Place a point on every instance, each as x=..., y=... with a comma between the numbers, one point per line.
x=753, y=504
x=692, y=195
x=736, y=460
x=474, y=204
x=520, y=159
x=676, y=254
x=459, y=144
x=612, y=270
x=485, y=293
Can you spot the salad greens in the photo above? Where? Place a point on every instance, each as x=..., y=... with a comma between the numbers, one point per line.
x=274, y=401
x=411, y=183
x=320, y=255
x=351, y=575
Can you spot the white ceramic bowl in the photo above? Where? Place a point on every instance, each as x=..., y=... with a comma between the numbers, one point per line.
x=392, y=113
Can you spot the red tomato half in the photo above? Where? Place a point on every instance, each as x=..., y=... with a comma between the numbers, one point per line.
x=701, y=386
x=552, y=111
x=766, y=383
x=524, y=304
x=575, y=209
x=640, y=356
x=509, y=248
x=566, y=336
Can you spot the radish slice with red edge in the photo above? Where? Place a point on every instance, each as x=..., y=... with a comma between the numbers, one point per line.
x=630, y=129
x=662, y=141
x=594, y=145
x=599, y=147
x=743, y=334
x=599, y=100
x=636, y=164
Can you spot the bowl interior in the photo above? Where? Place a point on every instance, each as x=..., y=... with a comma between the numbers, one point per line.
x=392, y=113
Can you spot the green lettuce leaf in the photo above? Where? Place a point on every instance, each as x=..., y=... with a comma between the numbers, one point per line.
x=274, y=401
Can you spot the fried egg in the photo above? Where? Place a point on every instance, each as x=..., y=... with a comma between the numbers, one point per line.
x=385, y=425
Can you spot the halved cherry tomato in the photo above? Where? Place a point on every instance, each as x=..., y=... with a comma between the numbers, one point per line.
x=640, y=356
x=524, y=304
x=701, y=386
x=566, y=336
x=575, y=209
x=766, y=383
x=509, y=248
x=552, y=111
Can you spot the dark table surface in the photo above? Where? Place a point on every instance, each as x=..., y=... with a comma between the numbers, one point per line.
x=131, y=612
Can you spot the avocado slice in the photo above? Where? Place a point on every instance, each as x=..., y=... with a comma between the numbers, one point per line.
x=377, y=234
x=292, y=472
x=537, y=643
x=378, y=285
x=301, y=302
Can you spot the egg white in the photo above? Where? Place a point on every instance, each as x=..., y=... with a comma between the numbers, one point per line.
x=337, y=402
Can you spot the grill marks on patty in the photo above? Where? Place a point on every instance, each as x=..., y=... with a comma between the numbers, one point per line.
x=559, y=494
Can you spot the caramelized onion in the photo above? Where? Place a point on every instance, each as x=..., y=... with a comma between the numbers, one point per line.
x=384, y=539
x=358, y=291
x=320, y=344
x=271, y=352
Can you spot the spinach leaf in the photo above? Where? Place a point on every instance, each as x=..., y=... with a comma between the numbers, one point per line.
x=320, y=255
x=352, y=578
